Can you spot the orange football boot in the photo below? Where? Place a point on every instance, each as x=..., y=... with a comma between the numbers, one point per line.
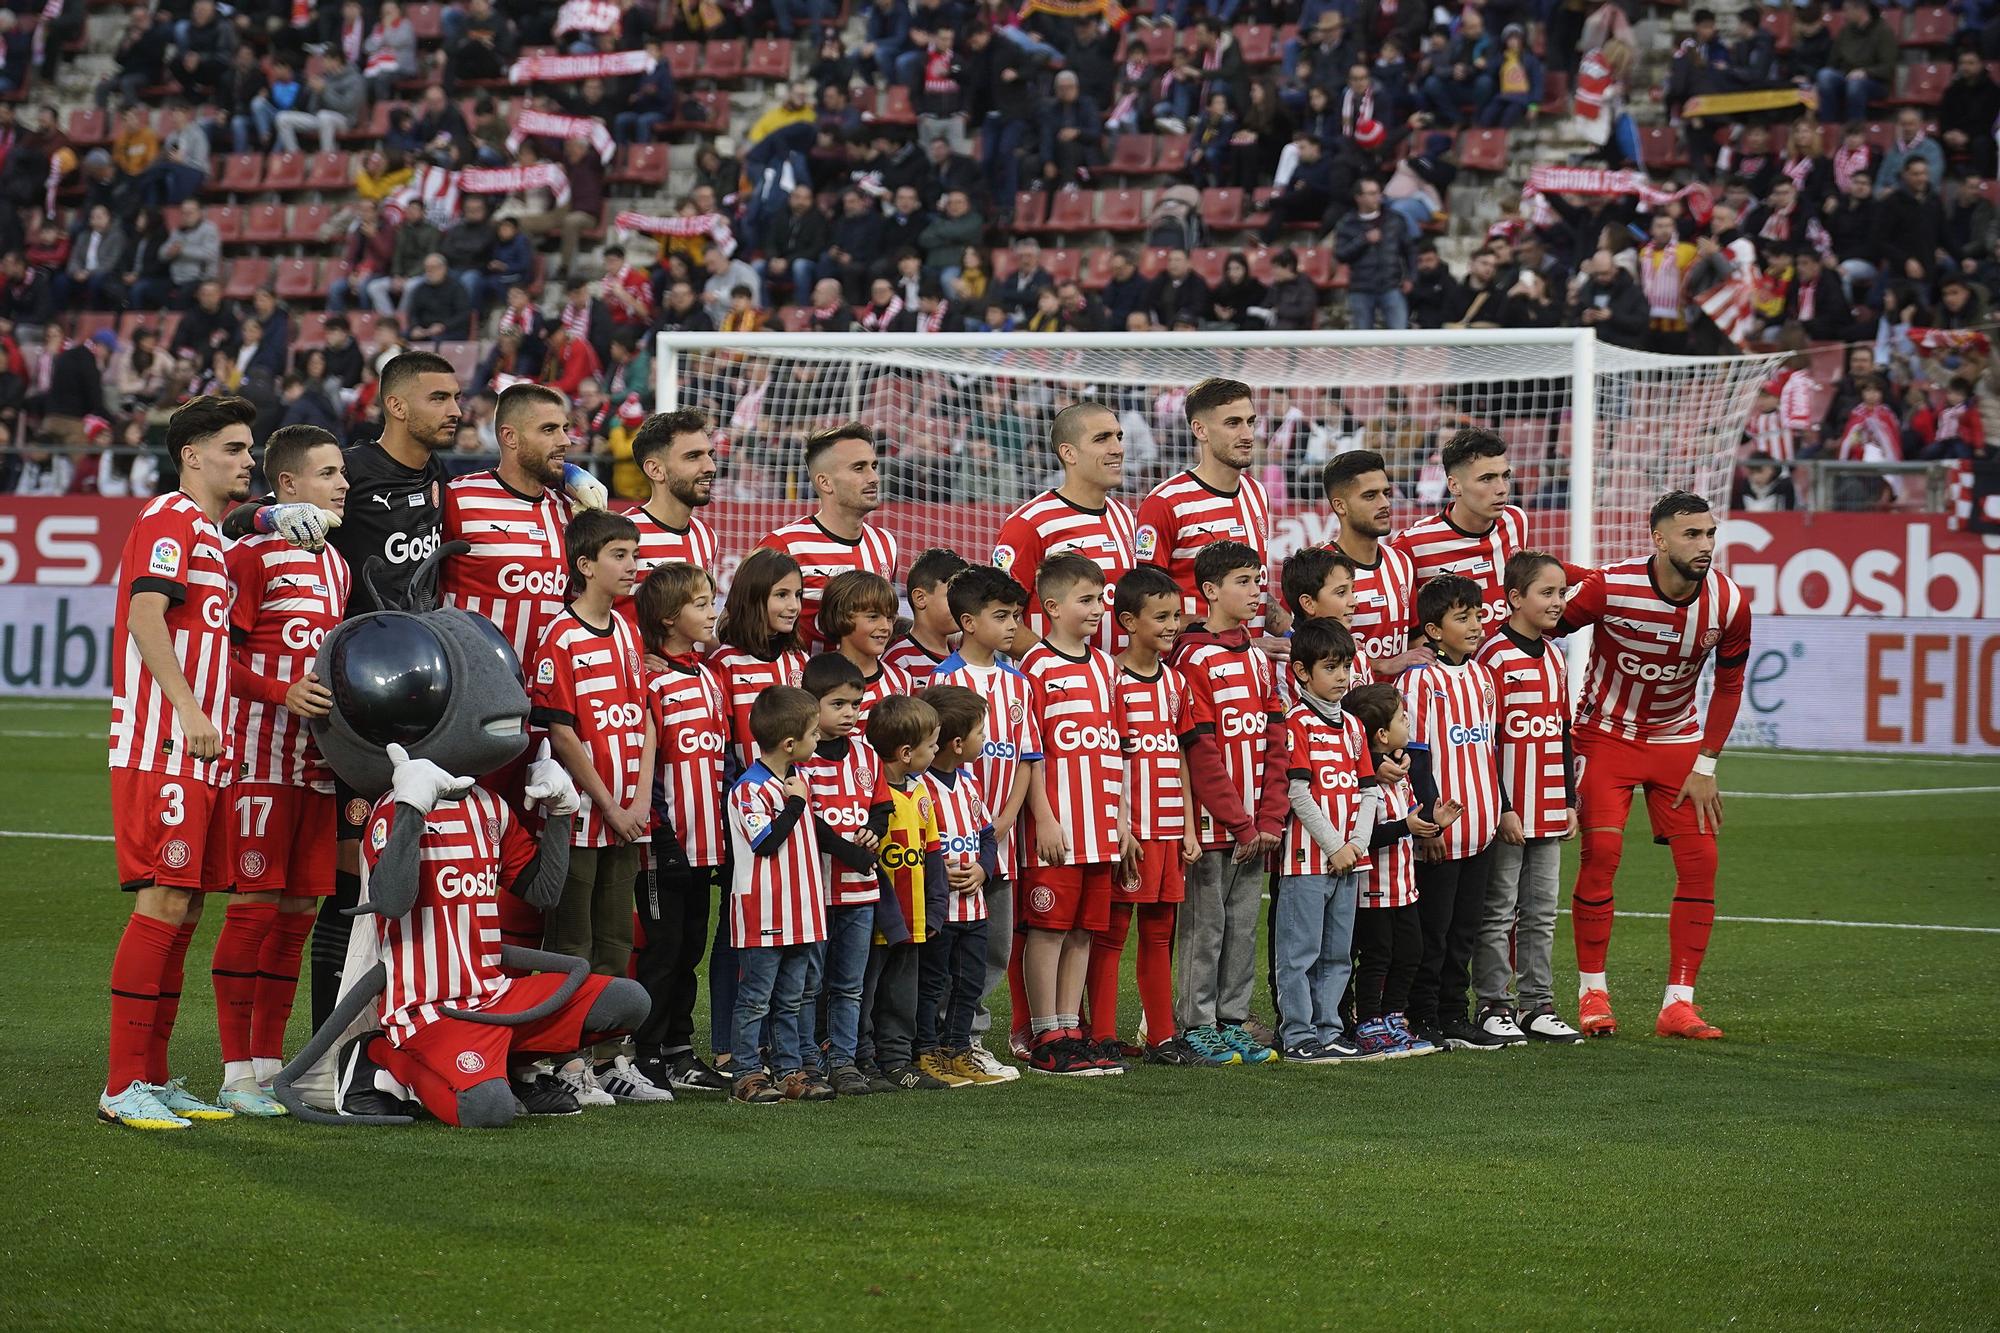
x=1682, y=1019
x=1593, y=1014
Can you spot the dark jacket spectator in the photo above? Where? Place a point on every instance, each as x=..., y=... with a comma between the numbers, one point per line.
x=1913, y=229
x=76, y=384
x=1433, y=291
x=1868, y=47
x=1127, y=291
x=1611, y=302
x=1293, y=299
x=1180, y=295
x=1381, y=264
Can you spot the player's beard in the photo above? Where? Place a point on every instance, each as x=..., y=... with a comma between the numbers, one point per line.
x=548, y=470
x=694, y=492
x=1692, y=573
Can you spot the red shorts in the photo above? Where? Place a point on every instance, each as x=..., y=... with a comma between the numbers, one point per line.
x=1067, y=898
x=171, y=831
x=284, y=839
x=465, y=1054
x=1162, y=875
x=1609, y=768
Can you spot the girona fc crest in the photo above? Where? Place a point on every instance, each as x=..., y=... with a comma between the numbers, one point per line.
x=493, y=829
x=251, y=863
x=357, y=812
x=1042, y=898
x=1710, y=638
x=175, y=855
x=1015, y=712
x=470, y=1062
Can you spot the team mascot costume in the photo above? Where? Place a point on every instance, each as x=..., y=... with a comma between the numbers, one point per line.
x=433, y=1008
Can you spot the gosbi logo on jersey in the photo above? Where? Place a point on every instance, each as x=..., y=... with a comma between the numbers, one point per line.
x=1631, y=665
x=401, y=548
x=962, y=844
x=1532, y=727
x=697, y=740
x=999, y=750
x=1460, y=734
x=1151, y=742
x=455, y=883
x=843, y=816
x=615, y=717
x=1072, y=735
x=895, y=856
x=1242, y=724
x=542, y=582
x=1336, y=776
x=301, y=634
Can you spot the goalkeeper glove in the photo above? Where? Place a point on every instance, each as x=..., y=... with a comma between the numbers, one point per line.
x=302, y=525
x=420, y=784
x=587, y=491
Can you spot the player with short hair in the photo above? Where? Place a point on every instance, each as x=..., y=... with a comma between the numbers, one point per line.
x=172, y=758
x=842, y=463
x=1473, y=535
x=676, y=453
x=857, y=619
x=1360, y=494
x=933, y=634
x=1657, y=619
x=283, y=601
x=1078, y=819
x=1081, y=515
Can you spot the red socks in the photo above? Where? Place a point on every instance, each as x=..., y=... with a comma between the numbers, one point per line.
x=1155, y=966
x=1693, y=914
x=169, y=1006
x=1100, y=982
x=135, y=992
x=277, y=983
x=234, y=971
x=1590, y=905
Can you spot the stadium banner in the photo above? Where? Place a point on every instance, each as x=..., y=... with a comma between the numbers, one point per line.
x=56, y=641
x=1897, y=685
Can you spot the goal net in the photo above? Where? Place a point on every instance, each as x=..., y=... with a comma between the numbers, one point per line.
x=1595, y=433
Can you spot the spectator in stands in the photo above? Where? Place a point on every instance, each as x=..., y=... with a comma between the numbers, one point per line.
x=904, y=223
x=884, y=310
x=136, y=146
x=482, y=50
x=570, y=360
x=1416, y=188
x=1375, y=244
x=1016, y=291
x=467, y=246
x=1912, y=241
x=1753, y=56
x=105, y=186
x=1322, y=61
x=1293, y=299
x=725, y=273
x=334, y=101
x=945, y=237
x=585, y=314
x=1239, y=299
x=377, y=174
x=182, y=168
x=389, y=55
x=1072, y=134
x=1180, y=295
x=415, y=237
x=1127, y=293
x=1433, y=290
x=1517, y=82
x=75, y=388
x=1457, y=92
x=440, y=122
x=1013, y=115
x=1967, y=113
x=1817, y=303
x=1853, y=227
x=141, y=55
x=306, y=401
x=854, y=243
x=511, y=262
x=830, y=312
x=258, y=361
x=193, y=252
x=1861, y=67
x=940, y=92
x=1762, y=487
x=652, y=102
x=367, y=251
x=1210, y=141
x=137, y=375
x=507, y=357
x=205, y=33
x=815, y=16
x=543, y=209
x=951, y=170
x=1910, y=142
x=885, y=30
x=794, y=242
x=209, y=326
x=1609, y=301
x=1305, y=191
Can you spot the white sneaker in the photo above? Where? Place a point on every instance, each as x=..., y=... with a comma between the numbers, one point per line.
x=623, y=1081
x=581, y=1080
x=1543, y=1025
x=988, y=1063
x=1500, y=1023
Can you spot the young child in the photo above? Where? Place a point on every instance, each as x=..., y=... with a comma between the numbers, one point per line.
x=589, y=692
x=1318, y=584
x=952, y=963
x=1161, y=715
x=1238, y=770
x=1960, y=432
x=857, y=618
x=1538, y=787
x=933, y=633
x=1080, y=831
x=912, y=858
x=776, y=911
x=758, y=648
x=1388, y=932
x=1453, y=753
x=987, y=607
x=684, y=864
x=1871, y=434
x=1332, y=787
x=851, y=813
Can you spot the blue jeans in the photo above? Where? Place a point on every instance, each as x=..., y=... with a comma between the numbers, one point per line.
x=1443, y=97
x=848, y=932
x=799, y=272
x=815, y=14
x=1414, y=209
x=951, y=976
x=1315, y=936
x=1844, y=97
x=1505, y=111
x=771, y=980
x=1363, y=307
x=1000, y=142
x=1028, y=42
x=637, y=126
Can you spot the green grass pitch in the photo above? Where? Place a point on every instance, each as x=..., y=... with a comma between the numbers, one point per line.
x=1831, y=1164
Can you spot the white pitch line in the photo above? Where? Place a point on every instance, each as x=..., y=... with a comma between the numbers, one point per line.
x=52, y=735
x=59, y=837
x=1823, y=921
x=1859, y=758
x=1851, y=795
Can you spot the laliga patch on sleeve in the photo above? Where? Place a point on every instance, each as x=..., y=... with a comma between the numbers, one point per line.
x=1147, y=542
x=166, y=558
x=378, y=833
x=756, y=821
x=1003, y=558
x=545, y=672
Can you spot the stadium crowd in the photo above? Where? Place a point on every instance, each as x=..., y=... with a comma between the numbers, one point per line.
x=955, y=166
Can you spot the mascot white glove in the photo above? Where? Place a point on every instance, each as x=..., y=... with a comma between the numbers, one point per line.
x=421, y=784
x=302, y=525
x=586, y=490
x=550, y=783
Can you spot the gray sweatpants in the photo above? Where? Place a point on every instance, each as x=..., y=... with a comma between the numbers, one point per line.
x=1521, y=899
x=1215, y=941
x=999, y=947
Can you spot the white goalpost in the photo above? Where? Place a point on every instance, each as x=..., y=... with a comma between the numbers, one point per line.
x=1595, y=433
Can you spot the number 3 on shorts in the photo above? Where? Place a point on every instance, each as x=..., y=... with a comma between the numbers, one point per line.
x=176, y=802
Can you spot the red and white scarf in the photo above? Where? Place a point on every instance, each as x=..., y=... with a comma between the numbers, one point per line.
x=576, y=319
x=1595, y=180
x=937, y=74
x=432, y=193
x=1797, y=399
x=567, y=69
x=1960, y=421
x=1354, y=110
x=382, y=61
x=712, y=225
x=51, y=11
x=877, y=319
x=934, y=322
x=1847, y=161
x=1766, y=434
x=1950, y=340
x=547, y=125
x=1798, y=170
x=1872, y=435
x=517, y=180
x=352, y=39
x=1731, y=305
x=586, y=16
x=526, y=321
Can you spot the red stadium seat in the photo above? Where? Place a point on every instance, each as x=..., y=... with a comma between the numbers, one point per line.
x=1097, y=268
x=240, y=173
x=1152, y=261
x=427, y=20
x=285, y=171
x=645, y=164
x=1317, y=264
x=1778, y=22
x=1257, y=43
x=1483, y=150
x=1063, y=265
x=309, y=220
x=1933, y=25
x=1071, y=210
x=896, y=107
x=265, y=224
x=1173, y=154
x=1133, y=154
x=1122, y=210
x=684, y=59
x=242, y=277
x=328, y=173
x=1208, y=263
x=1031, y=210
x=297, y=279
x=89, y=128
x=1660, y=147
x=1260, y=262
x=769, y=59
x=1222, y=208
x=714, y=106
x=722, y=60
x=228, y=220
x=372, y=130
x=1159, y=44
x=796, y=318
x=1555, y=94
x=1923, y=85
x=309, y=328
x=463, y=355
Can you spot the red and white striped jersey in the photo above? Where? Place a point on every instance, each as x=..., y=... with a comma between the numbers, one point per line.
x=660, y=545
x=589, y=679
x=691, y=724
x=517, y=572
x=913, y=659
x=778, y=899
x=961, y=816
x=1534, y=730
x=1237, y=689
x=1453, y=713
x=446, y=952
x=744, y=676
x=282, y=602
x=1184, y=514
x=845, y=776
x=1334, y=760
x=175, y=550
x=887, y=682
x=1013, y=738
x=1647, y=653
x=1078, y=714
x=821, y=555
x=1437, y=546
x=1389, y=875
x=1050, y=525
x=1385, y=601
x=1159, y=710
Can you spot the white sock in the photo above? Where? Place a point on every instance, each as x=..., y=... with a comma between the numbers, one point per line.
x=1589, y=981
x=1678, y=993
x=237, y=1071
x=266, y=1068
